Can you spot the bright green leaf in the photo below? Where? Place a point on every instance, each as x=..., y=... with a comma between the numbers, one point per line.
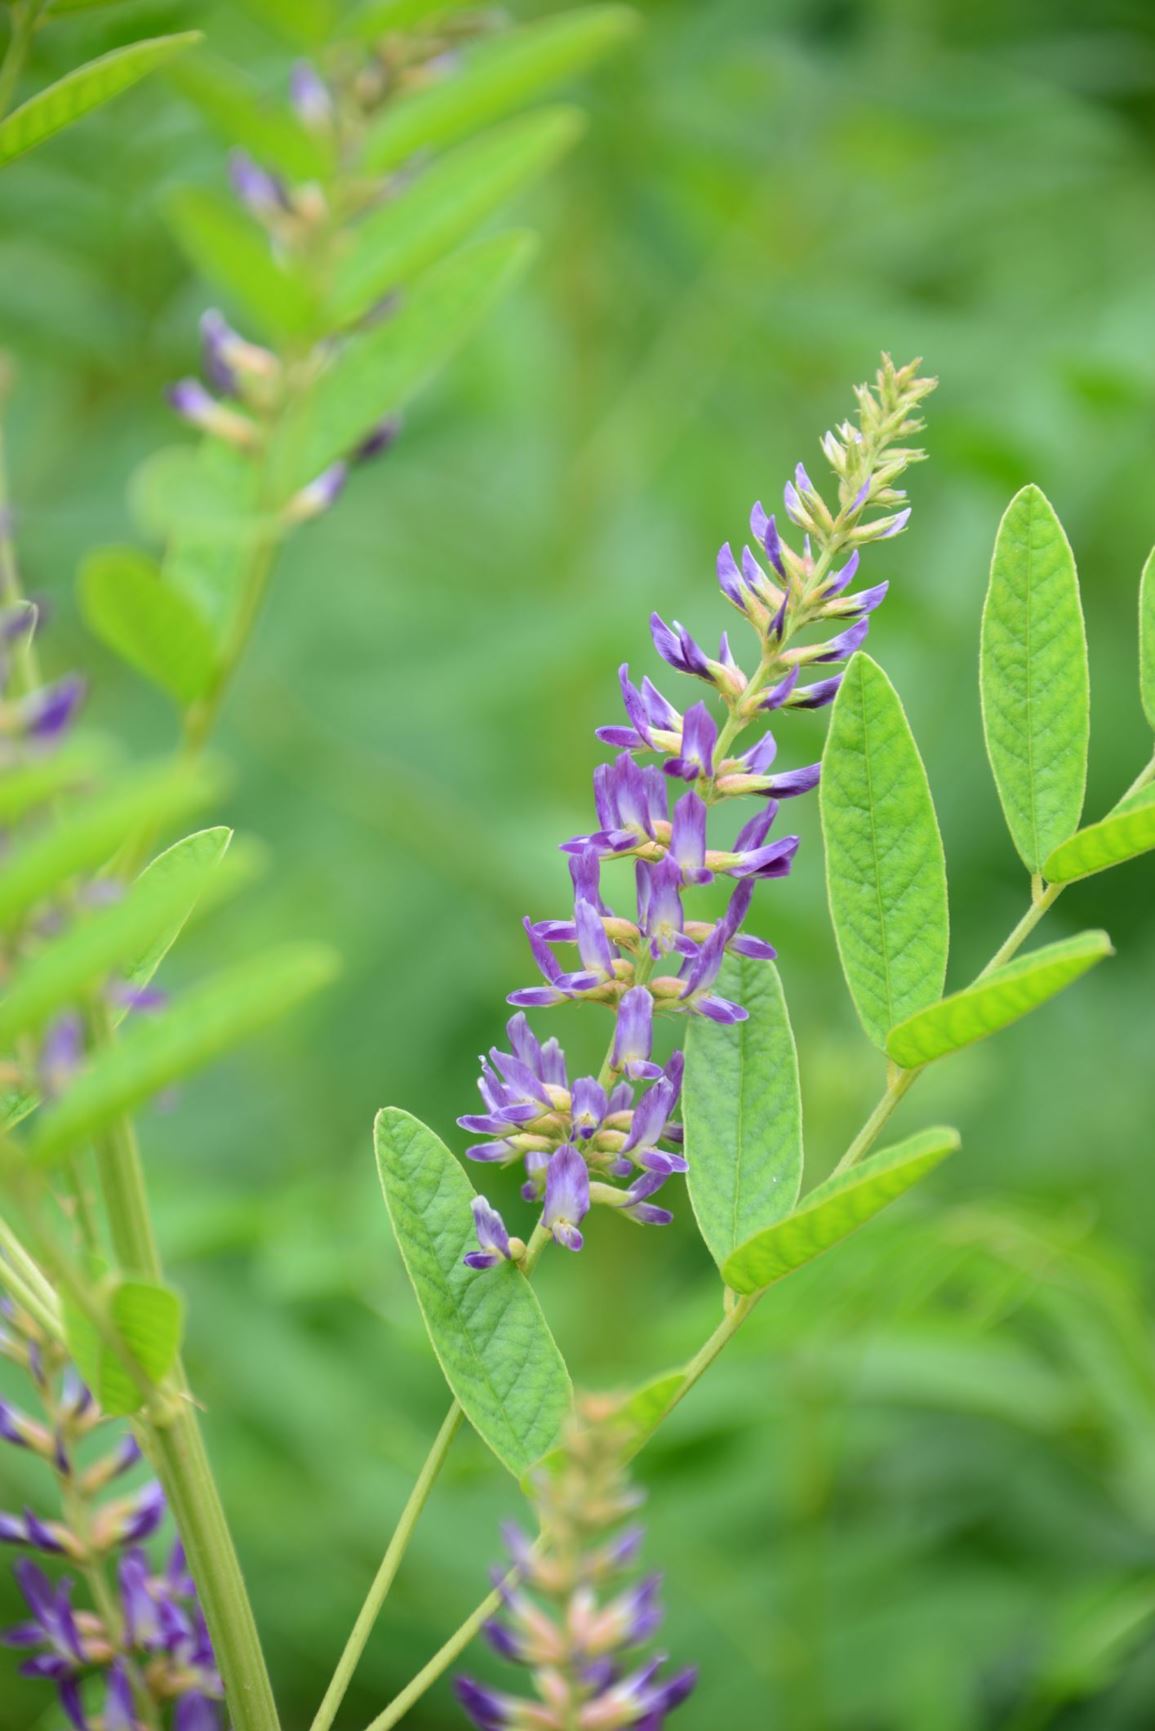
x=244, y=117
x=154, y=627
x=199, y=854
x=112, y=939
x=1123, y=834
x=88, y=832
x=147, y=1321
x=995, y=1000
x=379, y=17
x=885, y=869
x=88, y=87
x=377, y=372
x=742, y=1111
x=154, y=1051
x=202, y=501
x=445, y=204
x=493, y=77
x=643, y=1411
x=1035, y=684
x=24, y=786
x=486, y=1327
x=836, y=1209
x=225, y=245
x=1147, y=637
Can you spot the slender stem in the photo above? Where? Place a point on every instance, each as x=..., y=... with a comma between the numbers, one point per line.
x=898, y=1083
x=17, y=1261
x=390, y=1563
x=444, y=1657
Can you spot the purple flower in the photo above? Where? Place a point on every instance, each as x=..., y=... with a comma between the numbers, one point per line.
x=660, y=916
x=491, y=1236
x=488, y=1710
x=637, y=1206
x=49, y=712
x=754, y=856
x=655, y=725
x=310, y=96
x=699, y=736
x=815, y=696
x=567, y=1197
x=634, y=1036
x=675, y=645
x=629, y=802
x=764, y=529
x=651, y=1125
x=260, y=192
x=688, y=839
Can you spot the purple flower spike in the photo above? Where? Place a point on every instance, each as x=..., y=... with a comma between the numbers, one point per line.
x=634, y=1036
x=699, y=735
x=491, y=1236
x=195, y=1712
x=675, y=645
x=118, y=1711
x=567, y=1196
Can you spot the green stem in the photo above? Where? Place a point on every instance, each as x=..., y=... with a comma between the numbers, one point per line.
x=444, y=1657
x=22, y=31
x=390, y=1563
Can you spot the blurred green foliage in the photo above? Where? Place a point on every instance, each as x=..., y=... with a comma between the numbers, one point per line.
x=919, y=1493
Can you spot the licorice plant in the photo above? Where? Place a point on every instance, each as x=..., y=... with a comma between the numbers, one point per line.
x=336, y=251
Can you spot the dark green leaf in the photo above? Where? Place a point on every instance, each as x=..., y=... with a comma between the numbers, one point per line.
x=153, y=626
x=1035, y=684
x=836, y=1209
x=88, y=87
x=995, y=1000
x=494, y=77
x=445, y=204
x=486, y=1327
x=742, y=1111
x=885, y=869
x=155, y=1051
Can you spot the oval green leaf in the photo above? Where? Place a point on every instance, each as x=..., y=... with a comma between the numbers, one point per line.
x=145, y=922
x=742, y=1111
x=1147, y=637
x=242, y=115
x=90, y=830
x=445, y=204
x=885, y=868
x=1035, y=683
x=486, y=1327
x=147, y=1322
x=155, y=1051
x=836, y=1209
x=495, y=76
x=377, y=372
x=227, y=246
x=995, y=1000
x=1123, y=834
x=152, y=626
x=88, y=87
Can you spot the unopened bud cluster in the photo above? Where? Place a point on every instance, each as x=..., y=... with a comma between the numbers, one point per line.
x=614, y=1138
x=574, y=1613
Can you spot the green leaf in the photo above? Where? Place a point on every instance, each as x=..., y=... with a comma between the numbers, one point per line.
x=202, y=501
x=643, y=1410
x=146, y=920
x=1035, y=683
x=1147, y=637
x=445, y=204
x=487, y=1328
x=995, y=1000
x=742, y=1111
x=155, y=1051
x=836, y=1209
x=885, y=869
x=494, y=77
x=24, y=786
x=1123, y=834
x=84, y=836
x=379, y=17
x=88, y=87
x=244, y=117
x=152, y=626
x=224, y=244
x=200, y=855
x=148, y=1322
x=376, y=373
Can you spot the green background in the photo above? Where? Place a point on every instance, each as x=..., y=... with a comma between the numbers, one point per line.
x=919, y=1492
